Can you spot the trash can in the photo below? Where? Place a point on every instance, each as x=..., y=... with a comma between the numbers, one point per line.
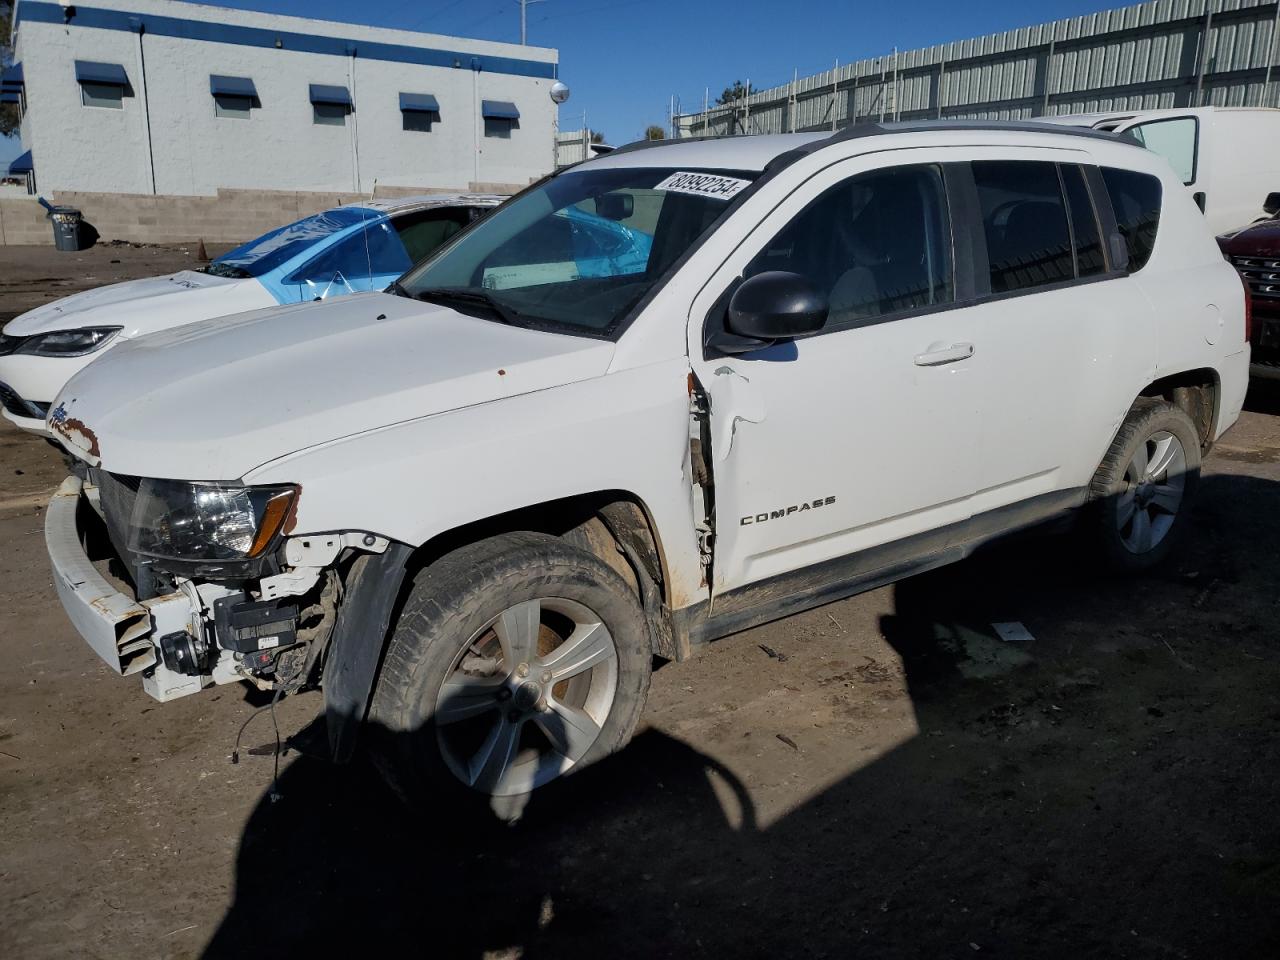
x=66, y=227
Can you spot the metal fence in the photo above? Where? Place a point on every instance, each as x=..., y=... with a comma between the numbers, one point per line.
x=1165, y=53
x=572, y=146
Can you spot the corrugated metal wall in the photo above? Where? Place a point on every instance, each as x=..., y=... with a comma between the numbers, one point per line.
x=1165, y=53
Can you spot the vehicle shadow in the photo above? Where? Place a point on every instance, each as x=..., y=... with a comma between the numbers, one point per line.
x=1105, y=787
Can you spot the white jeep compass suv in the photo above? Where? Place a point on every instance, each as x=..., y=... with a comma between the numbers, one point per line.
x=474, y=508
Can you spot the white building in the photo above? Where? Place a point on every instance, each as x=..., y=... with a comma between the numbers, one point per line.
x=155, y=97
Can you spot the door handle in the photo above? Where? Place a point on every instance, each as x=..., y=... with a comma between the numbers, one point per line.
x=937, y=355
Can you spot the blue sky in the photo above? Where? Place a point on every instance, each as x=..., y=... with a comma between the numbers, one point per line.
x=625, y=59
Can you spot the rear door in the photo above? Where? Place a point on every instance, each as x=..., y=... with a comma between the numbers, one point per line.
x=1067, y=339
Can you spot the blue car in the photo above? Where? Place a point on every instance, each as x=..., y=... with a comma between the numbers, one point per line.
x=343, y=250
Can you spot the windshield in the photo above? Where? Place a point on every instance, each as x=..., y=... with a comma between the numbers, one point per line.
x=576, y=253
x=270, y=250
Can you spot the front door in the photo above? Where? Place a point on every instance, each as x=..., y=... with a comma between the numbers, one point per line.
x=863, y=435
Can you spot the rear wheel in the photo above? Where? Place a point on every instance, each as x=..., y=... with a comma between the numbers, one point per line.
x=1144, y=485
x=515, y=661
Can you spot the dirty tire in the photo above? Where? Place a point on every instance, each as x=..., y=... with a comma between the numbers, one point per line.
x=1144, y=434
x=449, y=604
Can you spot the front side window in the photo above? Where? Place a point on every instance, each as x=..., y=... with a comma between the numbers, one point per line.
x=1024, y=218
x=1135, y=198
x=423, y=232
x=1173, y=139
x=875, y=245
x=273, y=249
x=578, y=252
x=351, y=263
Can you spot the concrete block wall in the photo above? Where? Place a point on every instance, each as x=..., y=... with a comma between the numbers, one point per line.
x=232, y=216
x=22, y=221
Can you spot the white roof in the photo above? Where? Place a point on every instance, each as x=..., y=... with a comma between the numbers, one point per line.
x=428, y=201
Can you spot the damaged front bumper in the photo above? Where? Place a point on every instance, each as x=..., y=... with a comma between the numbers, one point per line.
x=123, y=631
x=199, y=632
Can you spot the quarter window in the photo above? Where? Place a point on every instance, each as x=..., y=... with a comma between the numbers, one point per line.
x=876, y=244
x=1135, y=198
x=1025, y=221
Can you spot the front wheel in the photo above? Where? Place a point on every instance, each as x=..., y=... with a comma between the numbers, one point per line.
x=1144, y=485
x=515, y=661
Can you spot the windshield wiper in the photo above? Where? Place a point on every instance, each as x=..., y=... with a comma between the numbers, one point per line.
x=472, y=298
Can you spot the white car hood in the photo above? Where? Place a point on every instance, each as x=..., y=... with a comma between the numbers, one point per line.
x=213, y=400
x=144, y=306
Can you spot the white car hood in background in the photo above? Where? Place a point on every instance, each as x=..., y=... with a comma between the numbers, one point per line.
x=143, y=306
x=214, y=400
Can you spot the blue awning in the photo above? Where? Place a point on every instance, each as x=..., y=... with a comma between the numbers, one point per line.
x=13, y=97
x=11, y=79
x=499, y=110
x=23, y=164
x=321, y=93
x=221, y=86
x=89, y=71
x=419, y=103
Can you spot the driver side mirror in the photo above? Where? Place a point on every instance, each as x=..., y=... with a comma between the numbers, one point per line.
x=1272, y=204
x=769, y=308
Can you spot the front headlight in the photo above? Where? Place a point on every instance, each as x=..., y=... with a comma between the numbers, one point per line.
x=67, y=343
x=179, y=520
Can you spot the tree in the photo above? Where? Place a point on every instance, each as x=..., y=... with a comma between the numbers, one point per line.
x=654, y=132
x=8, y=111
x=597, y=136
x=735, y=93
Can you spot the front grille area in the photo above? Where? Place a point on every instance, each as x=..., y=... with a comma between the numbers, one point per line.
x=1262, y=274
x=10, y=400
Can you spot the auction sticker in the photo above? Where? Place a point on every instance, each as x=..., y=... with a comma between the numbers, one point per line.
x=703, y=185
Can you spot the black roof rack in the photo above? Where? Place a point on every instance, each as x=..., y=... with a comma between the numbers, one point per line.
x=872, y=129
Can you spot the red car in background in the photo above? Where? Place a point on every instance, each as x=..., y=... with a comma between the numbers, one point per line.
x=1255, y=252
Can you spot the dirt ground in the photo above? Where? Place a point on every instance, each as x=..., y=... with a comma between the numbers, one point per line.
x=881, y=777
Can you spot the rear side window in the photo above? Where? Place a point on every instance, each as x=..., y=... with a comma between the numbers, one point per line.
x=1025, y=221
x=1084, y=223
x=1135, y=198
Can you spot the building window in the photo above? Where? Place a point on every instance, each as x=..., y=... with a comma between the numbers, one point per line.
x=418, y=111
x=233, y=97
x=500, y=118
x=499, y=127
x=330, y=105
x=102, y=84
x=330, y=114
x=236, y=108
x=102, y=95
